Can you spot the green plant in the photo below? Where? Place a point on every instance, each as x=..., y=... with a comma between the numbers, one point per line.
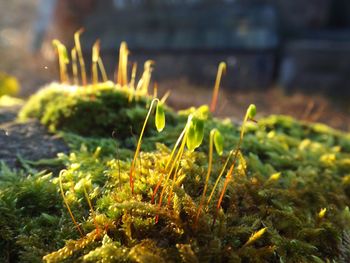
x=159, y=122
x=217, y=140
x=250, y=114
x=221, y=71
x=80, y=56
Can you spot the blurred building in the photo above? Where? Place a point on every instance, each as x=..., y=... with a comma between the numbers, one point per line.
x=297, y=44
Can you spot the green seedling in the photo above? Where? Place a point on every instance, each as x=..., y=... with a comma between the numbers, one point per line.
x=155, y=90
x=250, y=114
x=67, y=205
x=63, y=60
x=193, y=141
x=195, y=134
x=192, y=137
x=132, y=82
x=122, y=75
x=221, y=71
x=80, y=56
x=93, y=214
x=174, y=163
x=255, y=236
x=170, y=161
x=95, y=57
x=74, y=66
x=145, y=80
x=159, y=122
x=216, y=139
x=102, y=70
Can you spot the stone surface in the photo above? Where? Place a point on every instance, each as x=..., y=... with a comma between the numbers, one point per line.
x=29, y=140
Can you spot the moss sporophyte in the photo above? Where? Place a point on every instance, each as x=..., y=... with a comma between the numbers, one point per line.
x=160, y=194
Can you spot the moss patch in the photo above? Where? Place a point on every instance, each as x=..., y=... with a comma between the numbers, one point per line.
x=293, y=180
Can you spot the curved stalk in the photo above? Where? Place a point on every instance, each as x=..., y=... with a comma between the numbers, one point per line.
x=67, y=205
x=74, y=66
x=95, y=56
x=80, y=56
x=102, y=69
x=251, y=111
x=210, y=162
x=92, y=210
x=221, y=71
x=138, y=147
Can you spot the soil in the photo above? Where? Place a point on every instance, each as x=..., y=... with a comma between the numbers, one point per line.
x=25, y=141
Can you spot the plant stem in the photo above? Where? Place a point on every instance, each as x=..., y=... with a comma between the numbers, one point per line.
x=102, y=69
x=221, y=71
x=210, y=161
x=92, y=210
x=95, y=56
x=80, y=56
x=138, y=147
x=74, y=66
x=67, y=205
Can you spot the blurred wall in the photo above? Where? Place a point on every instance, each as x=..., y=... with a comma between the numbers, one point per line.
x=297, y=44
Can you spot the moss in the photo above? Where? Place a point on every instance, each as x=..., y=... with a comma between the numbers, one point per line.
x=288, y=172
x=96, y=110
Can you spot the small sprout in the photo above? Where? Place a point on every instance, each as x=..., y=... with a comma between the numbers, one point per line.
x=145, y=80
x=74, y=66
x=95, y=57
x=195, y=134
x=132, y=81
x=218, y=142
x=322, y=213
x=138, y=147
x=66, y=203
x=160, y=117
x=215, y=138
x=80, y=55
x=165, y=97
x=63, y=59
x=122, y=76
x=251, y=111
x=191, y=137
x=102, y=70
x=255, y=236
x=274, y=177
x=221, y=71
x=93, y=214
x=219, y=177
x=155, y=90
x=172, y=162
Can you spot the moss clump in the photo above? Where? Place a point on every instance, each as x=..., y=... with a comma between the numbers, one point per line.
x=95, y=110
x=288, y=199
x=288, y=173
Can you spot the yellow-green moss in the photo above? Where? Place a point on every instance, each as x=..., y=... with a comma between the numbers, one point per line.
x=293, y=181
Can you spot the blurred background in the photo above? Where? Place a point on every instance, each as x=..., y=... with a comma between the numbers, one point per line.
x=287, y=57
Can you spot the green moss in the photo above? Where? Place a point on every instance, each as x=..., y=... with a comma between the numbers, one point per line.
x=97, y=110
x=289, y=171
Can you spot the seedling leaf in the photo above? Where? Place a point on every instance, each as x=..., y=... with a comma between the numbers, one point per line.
x=218, y=142
x=251, y=111
x=199, y=132
x=191, y=137
x=160, y=117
